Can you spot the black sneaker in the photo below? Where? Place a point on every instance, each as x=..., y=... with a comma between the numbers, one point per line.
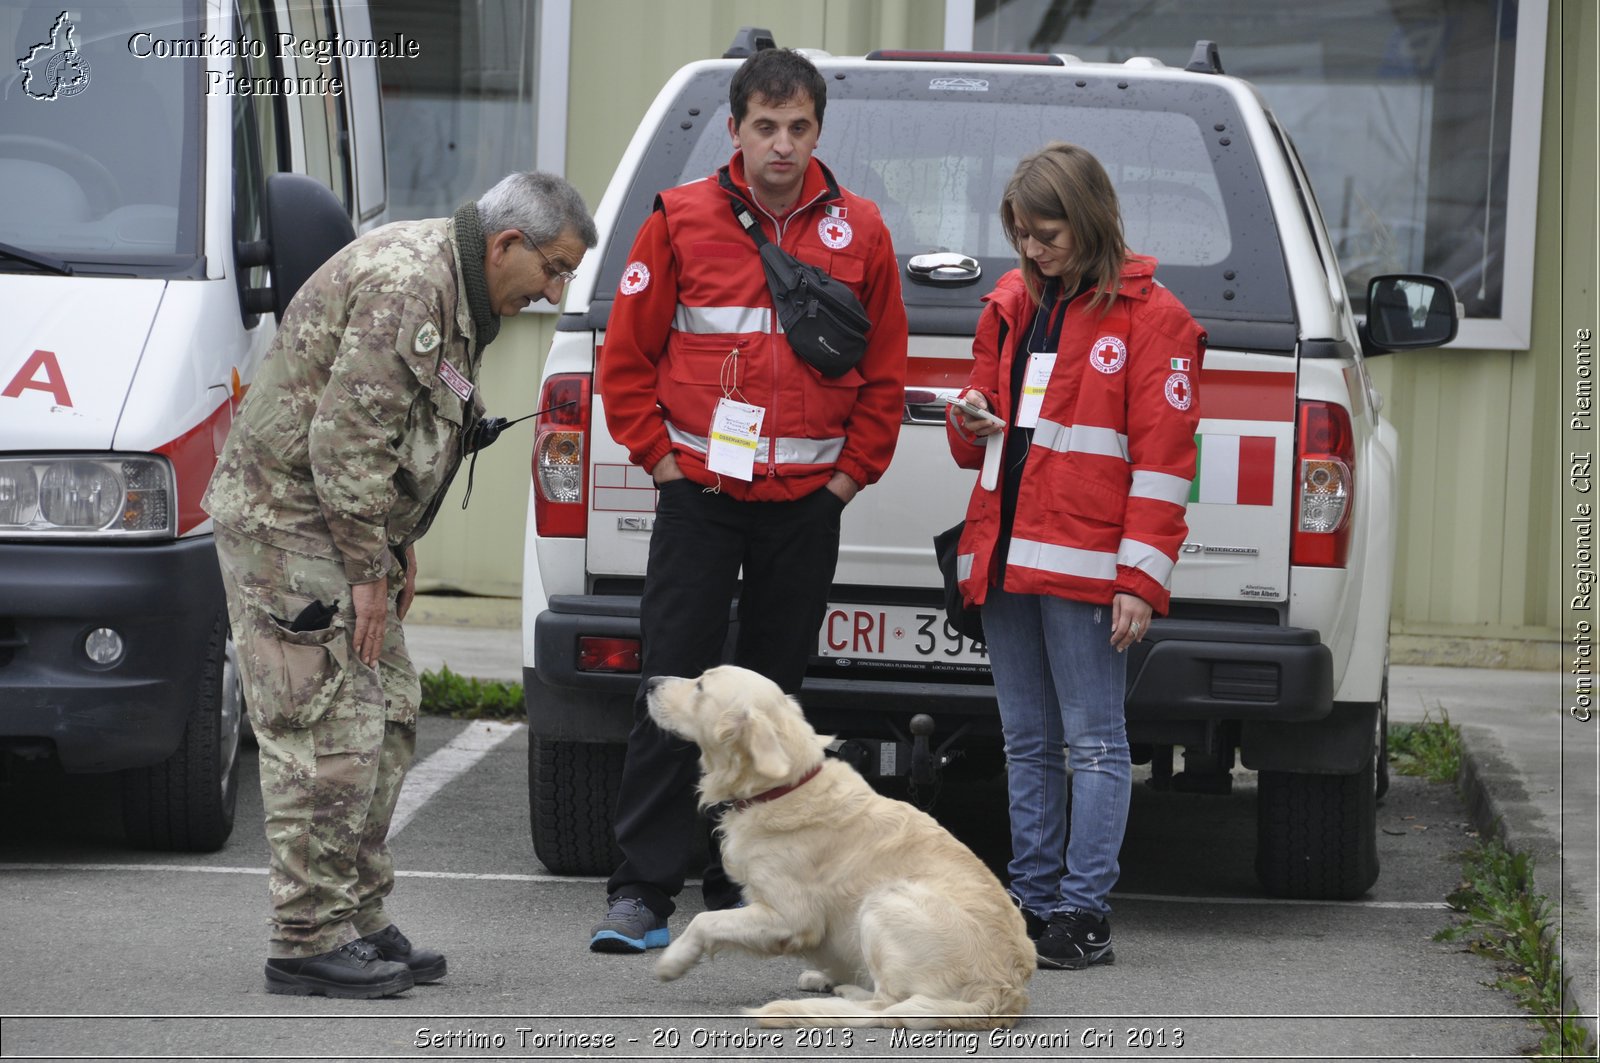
x=426, y=965
x=1075, y=940
x=1034, y=923
x=629, y=926
x=354, y=971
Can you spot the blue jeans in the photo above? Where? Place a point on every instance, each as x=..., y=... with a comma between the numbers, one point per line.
x=1060, y=682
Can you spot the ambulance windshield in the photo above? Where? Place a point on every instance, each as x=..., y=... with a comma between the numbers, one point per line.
x=100, y=134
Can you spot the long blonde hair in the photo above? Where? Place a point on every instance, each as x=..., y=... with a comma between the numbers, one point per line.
x=1063, y=182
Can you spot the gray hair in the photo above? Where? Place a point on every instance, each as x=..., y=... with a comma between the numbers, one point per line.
x=541, y=205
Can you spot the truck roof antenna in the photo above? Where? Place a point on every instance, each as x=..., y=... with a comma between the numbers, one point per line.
x=748, y=41
x=1204, y=59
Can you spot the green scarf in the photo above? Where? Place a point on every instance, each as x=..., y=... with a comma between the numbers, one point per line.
x=471, y=245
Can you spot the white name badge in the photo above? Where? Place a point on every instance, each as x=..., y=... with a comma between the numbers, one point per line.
x=735, y=432
x=1033, y=385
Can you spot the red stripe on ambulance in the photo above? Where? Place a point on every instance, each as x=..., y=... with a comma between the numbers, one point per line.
x=194, y=456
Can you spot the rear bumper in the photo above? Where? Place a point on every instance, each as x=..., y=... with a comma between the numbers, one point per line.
x=1185, y=670
x=163, y=599
x=1209, y=670
x=567, y=704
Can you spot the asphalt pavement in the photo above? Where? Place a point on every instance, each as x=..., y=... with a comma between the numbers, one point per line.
x=1530, y=767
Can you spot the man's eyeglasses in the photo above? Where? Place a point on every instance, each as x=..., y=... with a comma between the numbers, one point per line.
x=566, y=275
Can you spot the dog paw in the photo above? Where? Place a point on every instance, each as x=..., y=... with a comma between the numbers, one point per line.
x=675, y=962
x=815, y=982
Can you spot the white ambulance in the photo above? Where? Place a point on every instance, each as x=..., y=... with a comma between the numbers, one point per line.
x=1275, y=652
x=170, y=172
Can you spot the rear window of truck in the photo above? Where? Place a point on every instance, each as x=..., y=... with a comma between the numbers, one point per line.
x=933, y=146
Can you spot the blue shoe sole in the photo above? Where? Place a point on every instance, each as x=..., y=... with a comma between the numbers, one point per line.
x=611, y=941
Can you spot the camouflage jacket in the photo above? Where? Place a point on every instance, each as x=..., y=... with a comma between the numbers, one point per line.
x=351, y=433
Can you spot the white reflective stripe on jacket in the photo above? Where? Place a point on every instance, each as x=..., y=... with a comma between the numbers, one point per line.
x=789, y=450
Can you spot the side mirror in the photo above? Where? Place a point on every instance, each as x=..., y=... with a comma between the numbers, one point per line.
x=1407, y=311
x=304, y=224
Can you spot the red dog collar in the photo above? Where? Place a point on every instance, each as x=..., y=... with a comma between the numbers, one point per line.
x=745, y=802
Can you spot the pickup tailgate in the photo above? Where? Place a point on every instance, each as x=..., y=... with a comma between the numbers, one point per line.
x=1241, y=503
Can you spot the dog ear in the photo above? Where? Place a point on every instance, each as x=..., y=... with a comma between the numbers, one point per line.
x=766, y=751
x=754, y=733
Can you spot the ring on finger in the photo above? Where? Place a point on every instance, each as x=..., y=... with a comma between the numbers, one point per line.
x=1136, y=627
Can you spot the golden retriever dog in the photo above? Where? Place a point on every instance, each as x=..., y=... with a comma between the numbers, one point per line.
x=903, y=924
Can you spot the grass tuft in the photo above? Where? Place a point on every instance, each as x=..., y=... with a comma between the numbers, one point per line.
x=1505, y=921
x=444, y=693
x=1431, y=749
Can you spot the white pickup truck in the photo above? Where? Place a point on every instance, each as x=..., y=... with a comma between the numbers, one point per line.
x=1275, y=652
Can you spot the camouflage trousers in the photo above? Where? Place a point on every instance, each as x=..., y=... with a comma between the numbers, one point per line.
x=336, y=738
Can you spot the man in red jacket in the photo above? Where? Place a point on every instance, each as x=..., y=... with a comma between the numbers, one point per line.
x=754, y=453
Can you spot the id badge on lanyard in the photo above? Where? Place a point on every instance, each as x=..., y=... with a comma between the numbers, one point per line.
x=1034, y=383
x=1041, y=361
x=735, y=427
x=735, y=433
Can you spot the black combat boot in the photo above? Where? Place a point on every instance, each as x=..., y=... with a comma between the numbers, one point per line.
x=426, y=965
x=352, y=970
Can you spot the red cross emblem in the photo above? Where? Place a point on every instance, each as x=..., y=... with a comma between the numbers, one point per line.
x=834, y=232
x=635, y=278
x=1108, y=354
x=1180, y=394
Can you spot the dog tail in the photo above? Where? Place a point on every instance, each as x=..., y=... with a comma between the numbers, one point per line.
x=999, y=1007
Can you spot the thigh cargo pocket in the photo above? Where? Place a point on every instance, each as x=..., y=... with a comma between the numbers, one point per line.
x=294, y=676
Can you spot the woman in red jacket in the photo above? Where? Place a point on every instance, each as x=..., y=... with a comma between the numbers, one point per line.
x=1092, y=365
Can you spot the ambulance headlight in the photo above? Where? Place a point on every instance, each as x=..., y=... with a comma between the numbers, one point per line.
x=86, y=496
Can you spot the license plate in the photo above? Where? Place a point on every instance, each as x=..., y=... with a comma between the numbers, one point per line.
x=897, y=633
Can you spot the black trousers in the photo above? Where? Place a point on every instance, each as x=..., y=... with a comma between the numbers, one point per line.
x=787, y=551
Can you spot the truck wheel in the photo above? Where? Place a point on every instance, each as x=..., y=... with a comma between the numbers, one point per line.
x=1382, y=743
x=572, y=792
x=1317, y=835
x=186, y=803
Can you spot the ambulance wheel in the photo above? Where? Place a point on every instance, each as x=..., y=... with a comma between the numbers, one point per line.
x=1317, y=835
x=186, y=803
x=572, y=793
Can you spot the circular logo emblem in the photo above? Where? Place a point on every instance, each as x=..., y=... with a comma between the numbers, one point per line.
x=67, y=74
x=427, y=338
x=1180, y=393
x=1109, y=354
x=835, y=232
x=636, y=278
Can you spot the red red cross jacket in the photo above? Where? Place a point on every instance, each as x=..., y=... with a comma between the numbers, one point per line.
x=1100, y=510
x=693, y=321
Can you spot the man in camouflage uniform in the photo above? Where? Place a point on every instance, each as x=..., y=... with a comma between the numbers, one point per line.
x=340, y=456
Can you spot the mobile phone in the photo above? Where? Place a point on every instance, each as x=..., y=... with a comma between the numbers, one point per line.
x=975, y=411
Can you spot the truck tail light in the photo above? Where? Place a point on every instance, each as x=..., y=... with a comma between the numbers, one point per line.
x=1325, y=488
x=598, y=654
x=560, y=477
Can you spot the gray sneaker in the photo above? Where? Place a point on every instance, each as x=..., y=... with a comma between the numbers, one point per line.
x=629, y=926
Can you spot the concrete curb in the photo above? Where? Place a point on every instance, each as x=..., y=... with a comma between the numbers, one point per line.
x=1500, y=807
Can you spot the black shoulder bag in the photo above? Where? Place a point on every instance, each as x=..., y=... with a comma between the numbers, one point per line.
x=821, y=317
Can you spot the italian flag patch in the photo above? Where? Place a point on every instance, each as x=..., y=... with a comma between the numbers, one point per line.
x=1234, y=470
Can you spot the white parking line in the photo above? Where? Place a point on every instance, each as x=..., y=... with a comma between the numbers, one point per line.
x=434, y=774
x=465, y=876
